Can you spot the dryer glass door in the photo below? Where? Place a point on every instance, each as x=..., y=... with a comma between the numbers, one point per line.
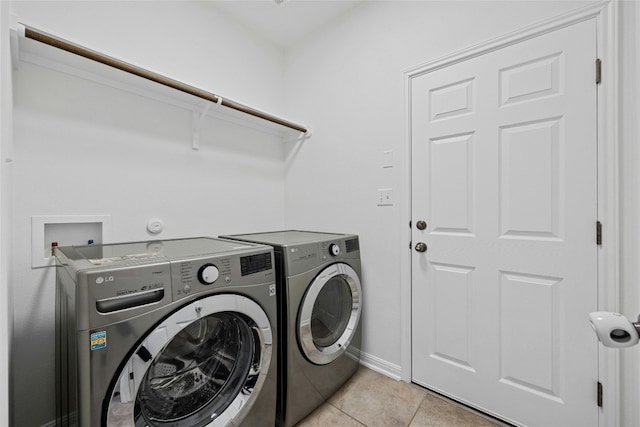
x=329, y=313
x=201, y=367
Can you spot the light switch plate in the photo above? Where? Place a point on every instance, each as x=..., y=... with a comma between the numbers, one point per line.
x=385, y=197
x=387, y=159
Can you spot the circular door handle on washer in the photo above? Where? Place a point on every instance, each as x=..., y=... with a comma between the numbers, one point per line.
x=421, y=247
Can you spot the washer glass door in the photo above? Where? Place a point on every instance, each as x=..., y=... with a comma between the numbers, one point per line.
x=329, y=313
x=200, y=367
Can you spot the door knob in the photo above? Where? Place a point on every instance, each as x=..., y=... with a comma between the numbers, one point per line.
x=421, y=247
x=421, y=225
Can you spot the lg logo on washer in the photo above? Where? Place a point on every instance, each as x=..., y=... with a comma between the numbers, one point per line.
x=100, y=280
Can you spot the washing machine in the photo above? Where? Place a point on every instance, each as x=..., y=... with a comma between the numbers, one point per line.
x=319, y=311
x=166, y=333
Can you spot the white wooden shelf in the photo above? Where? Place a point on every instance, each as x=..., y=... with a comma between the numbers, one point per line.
x=30, y=50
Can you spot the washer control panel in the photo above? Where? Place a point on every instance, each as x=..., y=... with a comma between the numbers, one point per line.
x=198, y=274
x=191, y=276
x=252, y=264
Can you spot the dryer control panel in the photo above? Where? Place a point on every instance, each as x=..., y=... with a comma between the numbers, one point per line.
x=306, y=256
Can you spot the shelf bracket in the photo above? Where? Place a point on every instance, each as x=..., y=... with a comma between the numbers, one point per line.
x=16, y=30
x=303, y=136
x=197, y=117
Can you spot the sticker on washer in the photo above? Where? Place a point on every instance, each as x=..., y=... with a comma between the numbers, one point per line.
x=98, y=340
x=272, y=290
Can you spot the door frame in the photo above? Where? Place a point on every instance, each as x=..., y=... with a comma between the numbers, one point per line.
x=606, y=15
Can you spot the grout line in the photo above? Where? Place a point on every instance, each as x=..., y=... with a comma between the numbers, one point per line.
x=427, y=392
x=417, y=409
x=348, y=415
x=461, y=405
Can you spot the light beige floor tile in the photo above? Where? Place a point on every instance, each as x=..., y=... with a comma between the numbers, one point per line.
x=328, y=416
x=438, y=412
x=362, y=376
x=376, y=400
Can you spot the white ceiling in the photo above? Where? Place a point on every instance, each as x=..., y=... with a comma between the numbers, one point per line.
x=284, y=24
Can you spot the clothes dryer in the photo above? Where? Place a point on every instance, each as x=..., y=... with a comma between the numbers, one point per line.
x=320, y=305
x=166, y=333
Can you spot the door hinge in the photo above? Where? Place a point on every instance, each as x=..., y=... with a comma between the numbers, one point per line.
x=598, y=70
x=598, y=233
x=599, y=394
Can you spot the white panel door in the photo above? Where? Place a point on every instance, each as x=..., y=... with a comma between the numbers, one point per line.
x=505, y=176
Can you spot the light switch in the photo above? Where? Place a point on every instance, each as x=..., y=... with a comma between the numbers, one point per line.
x=387, y=159
x=385, y=197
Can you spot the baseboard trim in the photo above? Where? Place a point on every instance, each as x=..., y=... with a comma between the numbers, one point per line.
x=380, y=365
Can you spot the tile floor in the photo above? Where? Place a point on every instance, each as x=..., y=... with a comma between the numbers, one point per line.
x=372, y=399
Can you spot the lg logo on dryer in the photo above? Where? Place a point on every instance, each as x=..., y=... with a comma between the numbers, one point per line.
x=100, y=279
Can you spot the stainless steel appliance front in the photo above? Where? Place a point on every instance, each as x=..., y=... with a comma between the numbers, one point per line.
x=176, y=332
x=320, y=305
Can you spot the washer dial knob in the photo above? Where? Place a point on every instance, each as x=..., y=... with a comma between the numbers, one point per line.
x=334, y=249
x=208, y=274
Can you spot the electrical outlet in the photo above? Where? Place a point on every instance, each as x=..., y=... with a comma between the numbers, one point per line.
x=385, y=197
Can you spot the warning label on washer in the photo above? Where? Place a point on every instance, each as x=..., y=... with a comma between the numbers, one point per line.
x=98, y=340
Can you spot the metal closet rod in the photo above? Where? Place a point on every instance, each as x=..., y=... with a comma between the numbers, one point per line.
x=141, y=72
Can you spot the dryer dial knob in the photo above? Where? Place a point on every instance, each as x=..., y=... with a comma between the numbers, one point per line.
x=208, y=274
x=334, y=249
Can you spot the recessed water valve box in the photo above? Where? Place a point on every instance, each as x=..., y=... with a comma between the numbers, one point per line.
x=48, y=232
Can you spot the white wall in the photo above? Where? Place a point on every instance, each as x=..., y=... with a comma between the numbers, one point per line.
x=6, y=142
x=348, y=82
x=84, y=149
